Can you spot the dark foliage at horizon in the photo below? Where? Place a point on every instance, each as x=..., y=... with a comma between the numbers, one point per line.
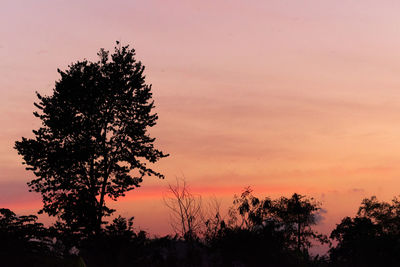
x=256, y=234
x=279, y=230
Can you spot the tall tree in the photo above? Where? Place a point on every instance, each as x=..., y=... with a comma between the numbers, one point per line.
x=94, y=141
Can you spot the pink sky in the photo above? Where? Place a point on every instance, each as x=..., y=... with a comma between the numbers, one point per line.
x=284, y=96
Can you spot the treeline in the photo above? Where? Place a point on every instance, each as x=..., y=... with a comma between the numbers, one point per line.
x=256, y=232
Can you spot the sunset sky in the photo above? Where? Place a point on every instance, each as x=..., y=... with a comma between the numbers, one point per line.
x=283, y=96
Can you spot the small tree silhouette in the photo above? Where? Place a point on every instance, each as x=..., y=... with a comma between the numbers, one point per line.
x=289, y=218
x=298, y=214
x=186, y=210
x=93, y=141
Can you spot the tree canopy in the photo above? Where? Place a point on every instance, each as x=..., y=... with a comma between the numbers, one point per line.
x=94, y=141
x=371, y=238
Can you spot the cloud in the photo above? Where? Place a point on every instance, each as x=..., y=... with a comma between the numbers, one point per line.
x=356, y=190
x=320, y=217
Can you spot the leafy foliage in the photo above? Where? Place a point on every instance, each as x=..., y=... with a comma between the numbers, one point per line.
x=293, y=217
x=18, y=230
x=279, y=230
x=25, y=242
x=371, y=238
x=94, y=140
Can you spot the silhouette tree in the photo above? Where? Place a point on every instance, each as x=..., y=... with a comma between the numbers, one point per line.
x=213, y=219
x=371, y=238
x=94, y=141
x=21, y=239
x=17, y=230
x=186, y=210
x=293, y=217
x=249, y=212
x=298, y=214
x=279, y=230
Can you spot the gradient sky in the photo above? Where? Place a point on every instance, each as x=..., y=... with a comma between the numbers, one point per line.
x=283, y=96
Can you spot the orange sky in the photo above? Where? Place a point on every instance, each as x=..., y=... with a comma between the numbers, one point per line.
x=282, y=96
